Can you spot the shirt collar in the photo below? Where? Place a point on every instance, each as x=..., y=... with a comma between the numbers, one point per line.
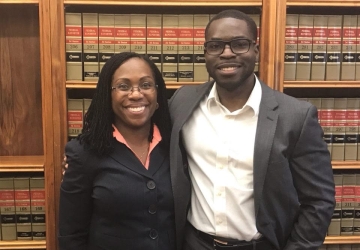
x=253, y=102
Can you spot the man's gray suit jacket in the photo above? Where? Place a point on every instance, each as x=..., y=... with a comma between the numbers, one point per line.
x=293, y=180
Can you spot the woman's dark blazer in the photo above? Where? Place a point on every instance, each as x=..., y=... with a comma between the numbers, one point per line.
x=113, y=202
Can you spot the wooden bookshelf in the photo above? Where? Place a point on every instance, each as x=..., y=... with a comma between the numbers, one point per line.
x=324, y=3
x=168, y=3
x=321, y=84
x=22, y=163
x=19, y=1
x=7, y=245
x=342, y=240
x=345, y=165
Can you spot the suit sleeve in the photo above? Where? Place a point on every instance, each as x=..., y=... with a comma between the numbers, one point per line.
x=313, y=179
x=75, y=200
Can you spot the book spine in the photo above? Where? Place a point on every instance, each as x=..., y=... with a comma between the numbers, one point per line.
x=200, y=72
x=357, y=62
x=91, y=46
x=348, y=48
x=22, y=208
x=153, y=40
x=351, y=129
x=319, y=48
x=339, y=122
x=138, y=33
x=291, y=46
x=106, y=38
x=348, y=204
x=303, y=66
x=333, y=48
x=170, y=29
x=73, y=46
x=122, y=33
x=7, y=209
x=186, y=48
x=37, y=197
x=357, y=206
x=75, y=116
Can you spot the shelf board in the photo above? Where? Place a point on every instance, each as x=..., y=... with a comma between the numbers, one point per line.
x=19, y=1
x=327, y=3
x=21, y=164
x=168, y=3
x=345, y=165
x=321, y=84
x=92, y=85
x=24, y=244
x=342, y=239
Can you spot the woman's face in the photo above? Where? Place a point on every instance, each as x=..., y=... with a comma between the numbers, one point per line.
x=133, y=108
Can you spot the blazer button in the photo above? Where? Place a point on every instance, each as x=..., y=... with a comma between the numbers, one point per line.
x=153, y=234
x=152, y=209
x=150, y=185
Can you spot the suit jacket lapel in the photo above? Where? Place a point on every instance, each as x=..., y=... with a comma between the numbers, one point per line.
x=264, y=138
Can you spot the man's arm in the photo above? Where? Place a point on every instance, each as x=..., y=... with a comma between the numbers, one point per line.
x=313, y=179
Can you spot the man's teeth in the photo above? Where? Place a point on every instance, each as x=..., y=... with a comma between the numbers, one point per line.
x=228, y=68
x=136, y=109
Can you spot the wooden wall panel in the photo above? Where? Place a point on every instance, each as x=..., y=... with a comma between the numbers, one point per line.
x=20, y=83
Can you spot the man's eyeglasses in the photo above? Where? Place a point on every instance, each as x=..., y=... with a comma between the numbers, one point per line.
x=237, y=46
x=143, y=88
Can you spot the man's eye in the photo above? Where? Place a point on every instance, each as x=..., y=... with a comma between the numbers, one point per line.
x=214, y=45
x=240, y=44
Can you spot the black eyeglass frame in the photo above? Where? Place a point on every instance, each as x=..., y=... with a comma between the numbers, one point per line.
x=229, y=43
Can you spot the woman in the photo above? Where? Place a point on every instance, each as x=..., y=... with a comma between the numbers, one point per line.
x=116, y=192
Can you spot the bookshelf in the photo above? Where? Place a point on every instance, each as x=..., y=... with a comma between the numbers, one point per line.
x=43, y=89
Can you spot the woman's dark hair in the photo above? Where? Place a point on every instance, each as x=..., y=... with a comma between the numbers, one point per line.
x=97, y=132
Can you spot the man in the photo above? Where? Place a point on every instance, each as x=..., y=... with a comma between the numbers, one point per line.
x=260, y=172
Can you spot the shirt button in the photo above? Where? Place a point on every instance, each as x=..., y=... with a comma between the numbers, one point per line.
x=153, y=234
x=150, y=185
x=219, y=194
x=152, y=209
x=218, y=221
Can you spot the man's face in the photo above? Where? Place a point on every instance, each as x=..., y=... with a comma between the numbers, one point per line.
x=231, y=70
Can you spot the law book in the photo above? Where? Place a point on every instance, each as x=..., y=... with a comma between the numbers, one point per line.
x=348, y=47
x=38, y=207
x=256, y=18
x=22, y=208
x=291, y=46
x=333, y=247
x=304, y=57
x=7, y=209
x=352, y=129
x=348, y=204
x=200, y=72
x=186, y=48
x=170, y=34
x=138, y=33
x=75, y=116
x=357, y=63
x=357, y=206
x=73, y=46
x=317, y=103
x=345, y=246
x=90, y=23
x=106, y=38
x=339, y=122
x=355, y=247
x=153, y=38
x=333, y=48
x=327, y=120
x=122, y=33
x=319, y=48
x=334, y=227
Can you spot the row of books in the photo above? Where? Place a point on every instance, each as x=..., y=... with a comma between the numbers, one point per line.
x=174, y=42
x=340, y=120
x=346, y=217
x=22, y=208
x=322, y=47
x=340, y=247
